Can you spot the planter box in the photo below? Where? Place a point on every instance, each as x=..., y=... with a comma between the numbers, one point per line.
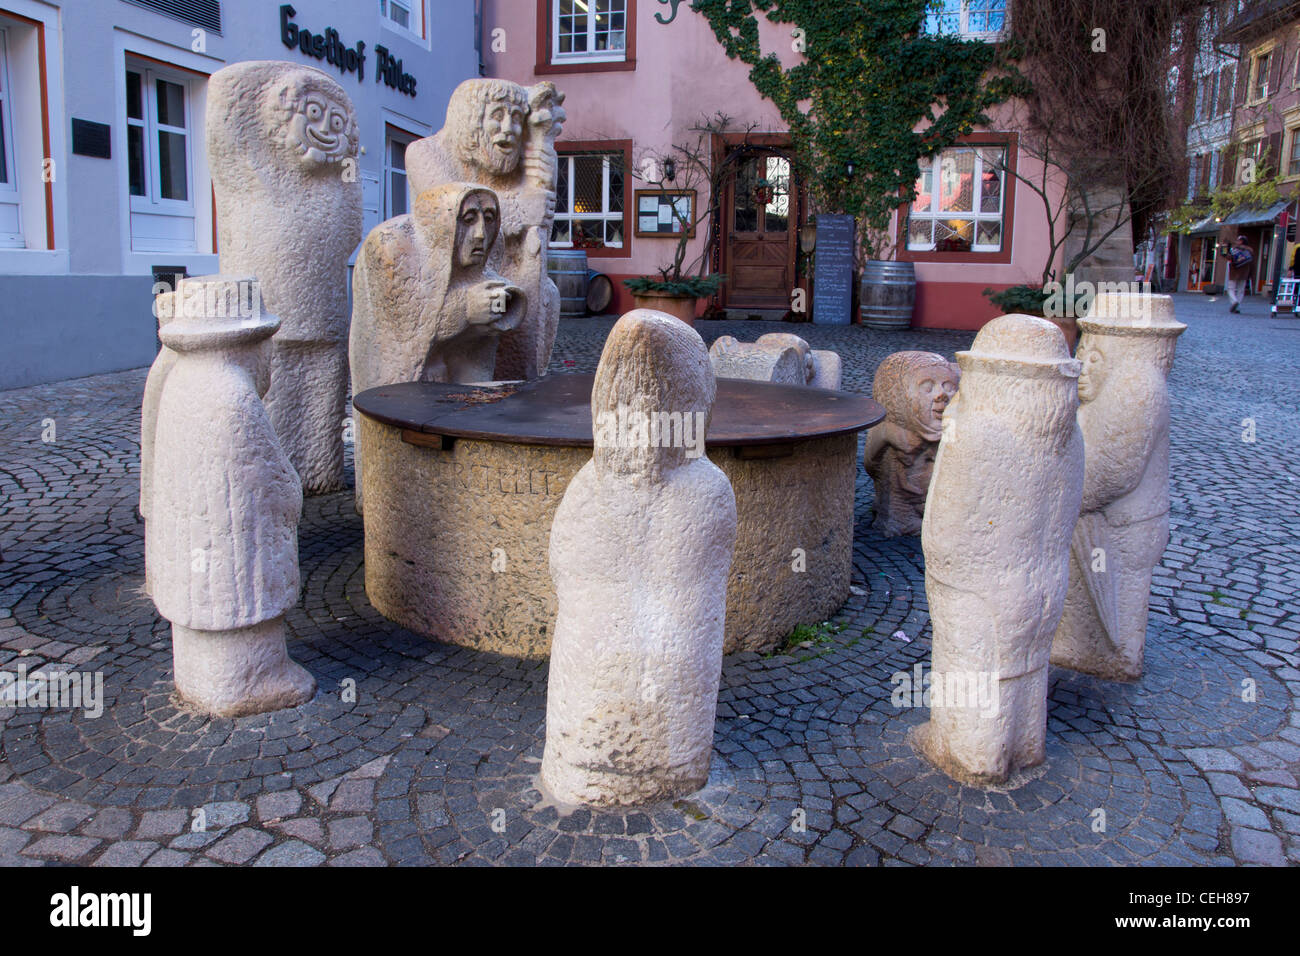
x=678, y=306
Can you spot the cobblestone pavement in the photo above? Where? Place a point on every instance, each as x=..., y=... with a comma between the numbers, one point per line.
x=435, y=761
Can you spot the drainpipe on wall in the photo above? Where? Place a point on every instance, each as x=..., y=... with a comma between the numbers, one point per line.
x=478, y=36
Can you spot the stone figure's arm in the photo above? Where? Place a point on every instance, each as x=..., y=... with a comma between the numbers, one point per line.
x=545, y=121
x=526, y=208
x=1118, y=448
x=879, y=440
x=915, y=476
x=488, y=301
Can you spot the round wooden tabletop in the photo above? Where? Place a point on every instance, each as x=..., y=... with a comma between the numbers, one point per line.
x=556, y=410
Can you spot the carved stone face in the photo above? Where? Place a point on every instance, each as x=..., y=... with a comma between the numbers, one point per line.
x=1094, y=371
x=501, y=139
x=476, y=230
x=321, y=129
x=934, y=387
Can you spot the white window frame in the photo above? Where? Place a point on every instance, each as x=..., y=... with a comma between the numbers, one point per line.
x=415, y=15
x=606, y=214
x=588, y=56
x=933, y=21
x=1290, y=140
x=9, y=189
x=394, y=134
x=1255, y=81
x=975, y=215
x=152, y=202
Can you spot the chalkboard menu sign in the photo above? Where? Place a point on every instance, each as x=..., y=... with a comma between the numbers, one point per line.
x=833, y=273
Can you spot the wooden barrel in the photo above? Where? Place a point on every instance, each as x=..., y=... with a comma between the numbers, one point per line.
x=568, y=269
x=600, y=292
x=888, y=294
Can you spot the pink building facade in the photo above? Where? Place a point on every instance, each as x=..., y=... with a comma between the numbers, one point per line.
x=635, y=87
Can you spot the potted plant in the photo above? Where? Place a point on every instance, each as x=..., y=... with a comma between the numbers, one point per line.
x=1043, y=302
x=676, y=294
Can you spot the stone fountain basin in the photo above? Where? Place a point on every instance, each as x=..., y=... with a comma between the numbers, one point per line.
x=461, y=483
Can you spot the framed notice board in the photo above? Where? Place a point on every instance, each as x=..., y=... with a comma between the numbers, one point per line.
x=655, y=211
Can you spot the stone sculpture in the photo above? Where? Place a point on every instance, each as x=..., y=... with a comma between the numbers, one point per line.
x=735, y=359
x=221, y=541
x=1004, y=498
x=425, y=304
x=166, y=307
x=914, y=388
x=1127, y=350
x=822, y=367
x=502, y=135
x=768, y=360
x=640, y=550
x=282, y=146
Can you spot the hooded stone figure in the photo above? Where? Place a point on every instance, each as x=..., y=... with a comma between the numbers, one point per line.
x=775, y=357
x=426, y=306
x=502, y=136
x=822, y=367
x=781, y=364
x=1127, y=350
x=640, y=550
x=914, y=388
x=221, y=541
x=1003, y=501
x=282, y=145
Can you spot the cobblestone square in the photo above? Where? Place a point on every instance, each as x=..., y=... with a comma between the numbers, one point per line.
x=435, y=759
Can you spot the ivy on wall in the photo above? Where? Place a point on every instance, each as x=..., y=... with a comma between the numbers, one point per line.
x=871, y=90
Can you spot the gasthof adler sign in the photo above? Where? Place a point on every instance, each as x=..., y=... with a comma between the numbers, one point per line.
x=328, y=46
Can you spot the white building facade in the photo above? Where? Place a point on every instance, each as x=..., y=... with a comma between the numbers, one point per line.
x=104, y=179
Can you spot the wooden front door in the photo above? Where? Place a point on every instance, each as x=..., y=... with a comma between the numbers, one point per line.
x=761, y=232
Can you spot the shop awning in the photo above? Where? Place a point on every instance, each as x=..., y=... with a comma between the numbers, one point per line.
x=1207, y=226
x=1254, y=217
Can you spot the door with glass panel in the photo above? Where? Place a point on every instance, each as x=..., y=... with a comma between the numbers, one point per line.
x=759, y=252
x=11, y=227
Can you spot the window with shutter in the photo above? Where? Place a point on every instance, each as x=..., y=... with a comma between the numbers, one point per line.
x=1272, y=154
x=1225, y=91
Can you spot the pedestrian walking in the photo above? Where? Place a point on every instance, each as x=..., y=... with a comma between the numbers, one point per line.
x=1240, y=257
